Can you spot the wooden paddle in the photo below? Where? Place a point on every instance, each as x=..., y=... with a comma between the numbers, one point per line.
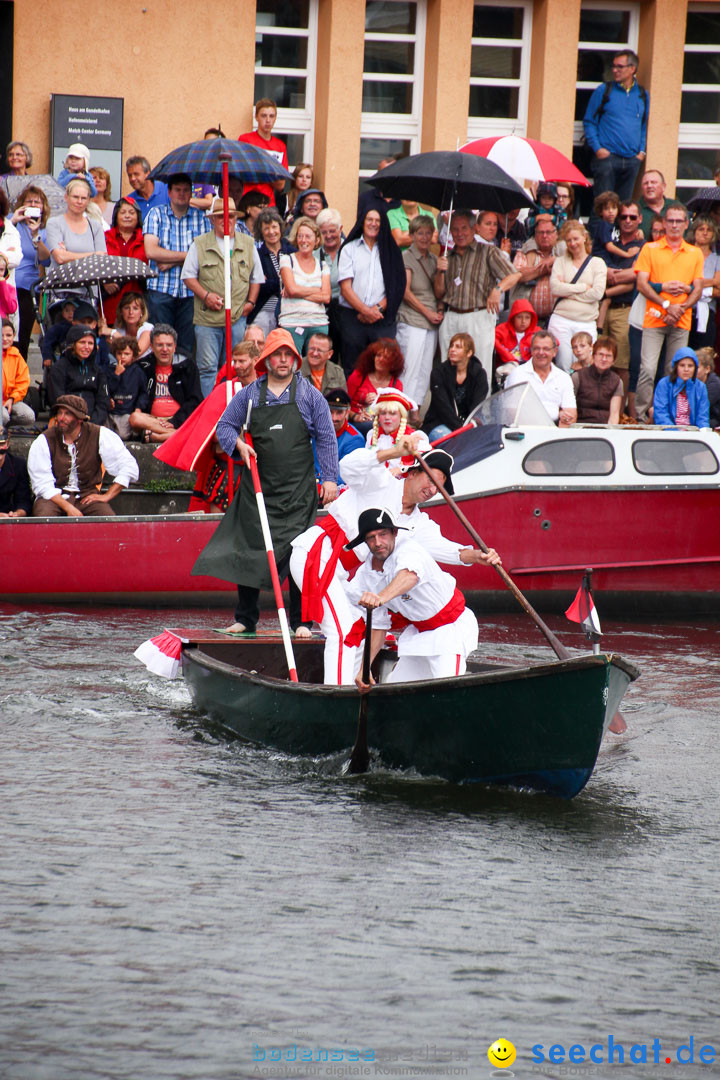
x=560, y=651
x=360, y=757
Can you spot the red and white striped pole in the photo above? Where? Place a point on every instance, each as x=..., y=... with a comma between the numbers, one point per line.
x=265, y=526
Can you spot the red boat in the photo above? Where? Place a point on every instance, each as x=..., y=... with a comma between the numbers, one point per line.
x=641, y=506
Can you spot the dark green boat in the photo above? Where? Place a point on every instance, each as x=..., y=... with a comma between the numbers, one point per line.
x=537, y=727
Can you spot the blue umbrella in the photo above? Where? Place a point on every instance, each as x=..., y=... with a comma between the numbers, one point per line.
x=210, y=161
x=203, y=162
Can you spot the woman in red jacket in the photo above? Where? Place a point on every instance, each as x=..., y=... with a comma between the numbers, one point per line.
x=124, y=238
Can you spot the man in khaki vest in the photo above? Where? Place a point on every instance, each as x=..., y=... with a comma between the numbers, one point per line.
x=65, y=463
x=204, y=274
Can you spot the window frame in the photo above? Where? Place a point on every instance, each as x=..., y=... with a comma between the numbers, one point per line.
x=674, y=443
x=697, y=136
x=296, y=121
x=405, y=126
x=565, y=443
x=480, y=127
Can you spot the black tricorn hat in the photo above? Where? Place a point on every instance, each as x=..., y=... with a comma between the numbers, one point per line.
x=373, y=518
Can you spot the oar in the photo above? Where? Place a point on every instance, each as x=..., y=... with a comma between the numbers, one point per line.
x=265, y=526
x=560, y=651
x=360, y=757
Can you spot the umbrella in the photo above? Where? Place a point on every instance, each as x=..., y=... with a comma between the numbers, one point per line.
x=203, y=162
x=706, y=199
x=54, y=192
x=92, y=269
x=443, y=177
x=526, y=159
x=210, y=161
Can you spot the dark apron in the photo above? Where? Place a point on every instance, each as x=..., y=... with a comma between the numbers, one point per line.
x=236, y=551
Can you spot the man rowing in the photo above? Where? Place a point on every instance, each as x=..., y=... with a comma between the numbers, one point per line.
x=320, y=563
x=412, y=593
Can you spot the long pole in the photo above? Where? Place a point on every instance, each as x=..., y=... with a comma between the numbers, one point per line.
x=265, y=526
x=360, y=757
x=560, y=651
x=224, y=157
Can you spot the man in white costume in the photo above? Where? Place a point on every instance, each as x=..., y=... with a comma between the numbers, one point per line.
x=320, y=562
x=407, y=590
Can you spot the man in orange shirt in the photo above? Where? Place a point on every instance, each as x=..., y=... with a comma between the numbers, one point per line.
x=679, y=267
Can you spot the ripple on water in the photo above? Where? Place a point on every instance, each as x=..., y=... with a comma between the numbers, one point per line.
x=172, y=899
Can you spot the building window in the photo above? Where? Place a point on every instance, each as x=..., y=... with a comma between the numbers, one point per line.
x=499, y=68
x=699, y=135
x=394, y=61
x=285, y=52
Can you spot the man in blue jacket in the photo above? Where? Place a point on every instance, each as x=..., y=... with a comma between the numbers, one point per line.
x=616, y=127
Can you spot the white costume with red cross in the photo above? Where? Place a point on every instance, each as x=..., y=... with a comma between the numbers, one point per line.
x=316, y=557
x=439, y=631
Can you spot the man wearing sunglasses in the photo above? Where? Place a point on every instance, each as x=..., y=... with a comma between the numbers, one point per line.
x=616, y=127
x=679, y=267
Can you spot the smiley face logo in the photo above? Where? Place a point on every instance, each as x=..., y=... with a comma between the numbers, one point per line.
x=501, y=1054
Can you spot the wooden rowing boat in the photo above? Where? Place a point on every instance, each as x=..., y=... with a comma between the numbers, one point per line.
x=538, y=727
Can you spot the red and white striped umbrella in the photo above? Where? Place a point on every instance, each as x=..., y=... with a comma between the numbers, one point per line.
x=527, y=159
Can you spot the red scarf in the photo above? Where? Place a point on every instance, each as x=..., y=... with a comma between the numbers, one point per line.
x=315, y=584
x=447, y=615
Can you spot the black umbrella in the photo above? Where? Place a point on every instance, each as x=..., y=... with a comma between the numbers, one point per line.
x=706, y=199
x=95, y=268
x=444, y=178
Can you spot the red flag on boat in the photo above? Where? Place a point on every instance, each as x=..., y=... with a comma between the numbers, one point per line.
x=582, y=610
x=161, y=654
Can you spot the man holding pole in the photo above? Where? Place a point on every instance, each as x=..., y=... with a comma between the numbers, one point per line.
x=321, y=560
x=282, y=412
x=417, y=598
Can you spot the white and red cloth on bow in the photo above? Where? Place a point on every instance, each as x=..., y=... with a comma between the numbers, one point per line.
x=316, y=566
x=440, y=630
x=161, y=655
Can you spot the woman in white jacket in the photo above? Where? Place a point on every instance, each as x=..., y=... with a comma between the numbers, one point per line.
x=577, y=283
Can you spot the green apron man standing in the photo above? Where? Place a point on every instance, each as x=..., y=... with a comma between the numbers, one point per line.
x=286, y=414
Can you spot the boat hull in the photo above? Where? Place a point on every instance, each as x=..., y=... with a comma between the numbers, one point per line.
x=535, y=727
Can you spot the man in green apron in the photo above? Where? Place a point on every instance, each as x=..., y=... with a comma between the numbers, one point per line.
x=285, y=413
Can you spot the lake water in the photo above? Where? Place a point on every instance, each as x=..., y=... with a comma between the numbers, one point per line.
x=175, y=906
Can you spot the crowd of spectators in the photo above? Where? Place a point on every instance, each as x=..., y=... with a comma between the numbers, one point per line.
x=444, y=308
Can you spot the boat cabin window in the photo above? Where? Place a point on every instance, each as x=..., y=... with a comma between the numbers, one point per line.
x=571, y=457
x=673, y=457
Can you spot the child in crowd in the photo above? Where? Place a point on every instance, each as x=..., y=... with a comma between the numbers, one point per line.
x=8, y=292
x=512, y=338
x=127, y=385
x=77, y=166
x=604, y=231
x=582, y=347
x=15, y=380
x=657, y=228
x=53, y=340
x=545, y=197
